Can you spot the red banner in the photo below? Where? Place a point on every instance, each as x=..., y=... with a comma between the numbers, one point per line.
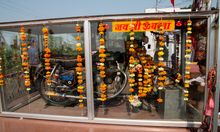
x=144, y=25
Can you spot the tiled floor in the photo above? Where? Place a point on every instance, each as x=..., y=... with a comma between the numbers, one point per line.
x=27, y=125
x=118, y=112
x=39, y=107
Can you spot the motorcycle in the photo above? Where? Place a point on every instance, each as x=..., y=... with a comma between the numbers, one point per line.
x=63, y=89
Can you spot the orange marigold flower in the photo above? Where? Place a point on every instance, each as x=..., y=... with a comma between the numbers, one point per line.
x=131, y=90
x=79, y=64
x=78, y=38
x=81, y=105
x=159, y=100
x=45, y=30
x=102, y=60
x=23, y=44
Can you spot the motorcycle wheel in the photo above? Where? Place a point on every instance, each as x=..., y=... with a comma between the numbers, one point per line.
x=53, y=100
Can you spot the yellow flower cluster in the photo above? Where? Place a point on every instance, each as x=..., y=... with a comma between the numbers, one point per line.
x=188, y=51
x=140, y=81
x=102, y=57
x=132, y=82
x=148, y=75
x=47, y=54
x=24, y=56
x=79, y=67
x=161, y=72
x=178, y=78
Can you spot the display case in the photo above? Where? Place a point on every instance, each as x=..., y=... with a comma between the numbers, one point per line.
x=134, y=69
x=37, y=97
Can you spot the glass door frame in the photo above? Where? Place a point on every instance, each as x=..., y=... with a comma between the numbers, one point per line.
x=88, y=60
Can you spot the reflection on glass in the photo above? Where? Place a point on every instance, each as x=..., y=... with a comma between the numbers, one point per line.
x=10, y=52
x=62, y=96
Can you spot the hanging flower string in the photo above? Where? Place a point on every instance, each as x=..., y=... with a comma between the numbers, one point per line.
x=161, y=72
x=144, y=76
x=102, y=57
x=134, y=67
x=139, y=68
x=47, y=54
x=178, y=78
x=148, y=74
x=1, y=73
x=131, y=75
x=131, y=65
x=187, y=59
x=79, y=68
x=25, y=63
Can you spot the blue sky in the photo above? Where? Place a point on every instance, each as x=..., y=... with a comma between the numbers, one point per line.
x=13, y=10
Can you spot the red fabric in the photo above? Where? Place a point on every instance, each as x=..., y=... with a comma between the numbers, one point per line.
x=210, y=104
x=172, y=2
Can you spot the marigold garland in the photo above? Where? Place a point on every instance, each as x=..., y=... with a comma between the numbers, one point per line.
x=147, y=75
x=161, y=72
x=47, y=55
x=140, y=80
x=187, y=59
x=1, y=73
x=132, y=63
x=102, y=56
x=79, y=68
x=25, y=63
x=178, y=78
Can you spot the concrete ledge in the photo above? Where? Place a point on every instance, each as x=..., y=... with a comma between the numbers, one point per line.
x=28, y=125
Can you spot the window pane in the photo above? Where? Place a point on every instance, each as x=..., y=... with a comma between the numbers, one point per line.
x=114, y=72
x=56, y=71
